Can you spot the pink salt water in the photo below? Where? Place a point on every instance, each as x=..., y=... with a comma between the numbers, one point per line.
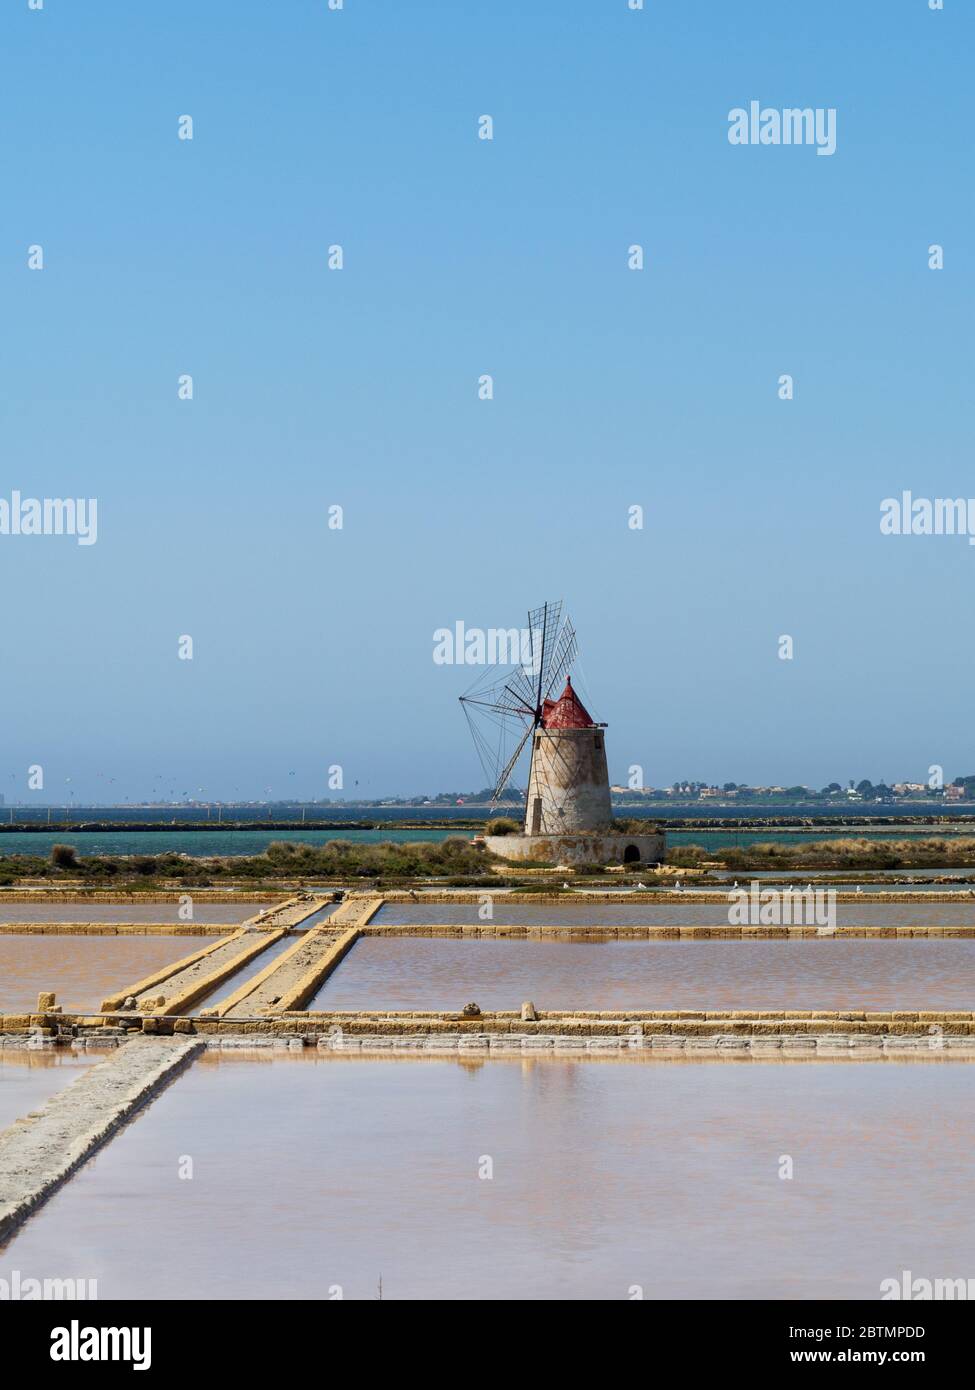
x=535, y=1179
x=430, y=973
x=660, y=911
x=28, y=1077
x=124, y=912
x=82, y=970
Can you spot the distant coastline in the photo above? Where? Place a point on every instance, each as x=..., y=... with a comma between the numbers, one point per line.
x=869, y=820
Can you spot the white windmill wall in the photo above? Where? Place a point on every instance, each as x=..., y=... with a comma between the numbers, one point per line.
x=568, y=787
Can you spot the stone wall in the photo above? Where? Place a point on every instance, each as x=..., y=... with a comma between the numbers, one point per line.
x=579, y=849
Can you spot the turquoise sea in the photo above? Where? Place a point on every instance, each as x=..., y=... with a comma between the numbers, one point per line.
x=181, y=835
x=198, y=842
x=245, y=842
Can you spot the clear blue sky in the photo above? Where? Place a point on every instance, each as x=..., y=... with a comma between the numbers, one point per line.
x=358, y=387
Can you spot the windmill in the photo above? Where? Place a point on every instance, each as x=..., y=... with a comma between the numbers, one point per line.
x=505, y=706
x=568, y=805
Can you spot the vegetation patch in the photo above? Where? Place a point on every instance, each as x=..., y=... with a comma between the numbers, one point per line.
x=455, y=859
x=935, y=853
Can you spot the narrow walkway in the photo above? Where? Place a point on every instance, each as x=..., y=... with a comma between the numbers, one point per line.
x=38, y=1153
x=296, y=974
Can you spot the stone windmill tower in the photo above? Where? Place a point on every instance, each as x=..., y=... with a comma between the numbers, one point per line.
x=568, y=782
x=568, y=811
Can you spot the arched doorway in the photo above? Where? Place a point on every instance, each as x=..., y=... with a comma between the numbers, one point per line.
x=631, y=855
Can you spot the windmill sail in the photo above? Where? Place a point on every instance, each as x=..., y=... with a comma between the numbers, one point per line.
x=506, y=703
x=565, y=653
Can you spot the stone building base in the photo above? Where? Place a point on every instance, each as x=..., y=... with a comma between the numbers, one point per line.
x=591, y=848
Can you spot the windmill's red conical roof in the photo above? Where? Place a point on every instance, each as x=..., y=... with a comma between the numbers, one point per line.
x=567, y=712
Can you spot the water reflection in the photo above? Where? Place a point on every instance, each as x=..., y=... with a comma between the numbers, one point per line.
x=338, y=1172
x=445, y=974
x=81, y=970
x=29, y=1077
